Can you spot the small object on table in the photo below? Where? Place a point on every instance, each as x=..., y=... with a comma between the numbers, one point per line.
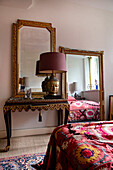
x=28, y=93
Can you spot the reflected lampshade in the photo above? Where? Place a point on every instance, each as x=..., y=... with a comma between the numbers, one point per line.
x=52, y=62
x=37, y=67
x=38, y=73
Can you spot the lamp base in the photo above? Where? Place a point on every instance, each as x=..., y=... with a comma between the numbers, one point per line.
x=52, y=85
x=53, y=97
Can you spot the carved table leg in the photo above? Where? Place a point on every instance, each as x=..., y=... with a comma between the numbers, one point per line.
x=66, y=116
x=7, y=117
x=40, y=115
x=59, y=117
x=62, y=116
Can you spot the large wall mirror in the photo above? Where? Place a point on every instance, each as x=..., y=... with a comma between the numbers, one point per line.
x=30, y=39
x=84, y=76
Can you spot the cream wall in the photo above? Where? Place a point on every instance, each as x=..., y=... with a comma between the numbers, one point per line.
x=76, y=26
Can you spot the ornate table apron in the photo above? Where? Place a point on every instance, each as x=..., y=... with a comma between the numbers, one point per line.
x=62, y=108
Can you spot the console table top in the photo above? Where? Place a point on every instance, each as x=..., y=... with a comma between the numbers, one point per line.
x=34, y=101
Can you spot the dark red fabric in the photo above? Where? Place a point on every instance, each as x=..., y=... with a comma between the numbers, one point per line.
x=80, y=146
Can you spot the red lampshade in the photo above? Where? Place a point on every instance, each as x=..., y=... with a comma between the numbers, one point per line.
x=52, y=62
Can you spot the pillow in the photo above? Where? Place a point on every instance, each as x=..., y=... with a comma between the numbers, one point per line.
x=70, y=98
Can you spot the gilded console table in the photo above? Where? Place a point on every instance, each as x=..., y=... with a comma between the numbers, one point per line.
x=20, y=104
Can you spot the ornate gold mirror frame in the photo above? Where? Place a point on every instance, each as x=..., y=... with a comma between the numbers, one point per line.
x=99, y=54
x=15, y=51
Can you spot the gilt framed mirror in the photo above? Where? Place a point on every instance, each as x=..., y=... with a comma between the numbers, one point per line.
x=85, y=72
x=30, y=39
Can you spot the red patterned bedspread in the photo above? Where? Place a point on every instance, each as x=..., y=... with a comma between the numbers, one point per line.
x=81, y=110
x=80, y=146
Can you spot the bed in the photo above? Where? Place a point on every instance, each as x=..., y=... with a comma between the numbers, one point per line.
x=81, y=110
x=80, y=146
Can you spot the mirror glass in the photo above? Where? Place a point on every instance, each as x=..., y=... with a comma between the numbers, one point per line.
x=30, y=39
x=84, y=77
x=32, y=42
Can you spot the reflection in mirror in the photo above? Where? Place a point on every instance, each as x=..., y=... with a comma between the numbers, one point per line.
x=82, y=76
x=83, y=83
x=32, y=42
x=30, y=39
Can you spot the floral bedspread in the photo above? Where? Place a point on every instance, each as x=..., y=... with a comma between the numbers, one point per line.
x=81, y=110
x=81, y=146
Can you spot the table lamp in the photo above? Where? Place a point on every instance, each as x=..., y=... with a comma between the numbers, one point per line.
x=52, y=63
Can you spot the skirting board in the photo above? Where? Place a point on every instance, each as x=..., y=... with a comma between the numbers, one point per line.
x=27, y=132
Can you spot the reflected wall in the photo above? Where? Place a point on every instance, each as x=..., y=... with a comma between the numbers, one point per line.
x=32, y=42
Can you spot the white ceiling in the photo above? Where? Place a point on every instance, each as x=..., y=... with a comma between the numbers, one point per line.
x=26, y=4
